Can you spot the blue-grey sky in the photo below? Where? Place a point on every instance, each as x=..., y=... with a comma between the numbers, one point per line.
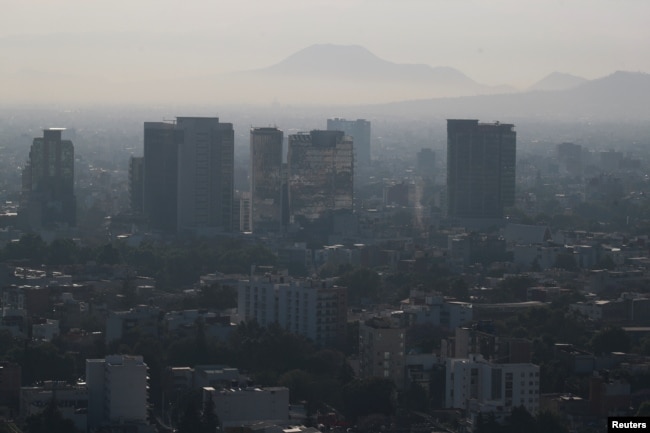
x=494, y=42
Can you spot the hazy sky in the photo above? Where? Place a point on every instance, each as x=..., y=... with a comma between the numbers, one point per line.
x=492, y=41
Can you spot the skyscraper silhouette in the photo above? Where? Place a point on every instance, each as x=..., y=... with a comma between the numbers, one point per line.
x=480, y=168
x=359, y=130
x=188, y=175
x=266, y=179
x=205, y=174
x=160, y=199
x=48, y=181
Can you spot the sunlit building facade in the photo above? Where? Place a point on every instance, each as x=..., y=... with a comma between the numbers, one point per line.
x=266, y=179
x=321, y=174
x=359, y=130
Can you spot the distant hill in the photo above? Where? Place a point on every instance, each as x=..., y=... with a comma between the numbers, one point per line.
x=619, y=96
x=348, y=73
x=557, y=81
x=354, y=62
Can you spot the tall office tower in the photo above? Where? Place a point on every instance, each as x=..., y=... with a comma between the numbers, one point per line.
x=425, y=163
x=480, y=168
x=205, y=174
x=136, y=184
x=48, y=181
x=359, y=130
x=188, y=174
x=117, y=391
x=569, y=156
x=160, y=200
x=321, y=169
x=266, y=179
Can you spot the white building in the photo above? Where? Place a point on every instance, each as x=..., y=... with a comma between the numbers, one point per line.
x=117, y=390
x=473, y=383
x=314, y=308
x=240, y=406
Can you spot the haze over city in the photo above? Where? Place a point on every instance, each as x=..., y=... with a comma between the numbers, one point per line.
x=133, y=52
x=306, y=216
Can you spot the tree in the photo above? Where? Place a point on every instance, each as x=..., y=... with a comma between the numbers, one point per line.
x=520, y=420
x=611, y=339
x=300, y=384
x=50, y=421
x=108, y=255
x=548, y=422
x=369, y=396
x=209, y=418
x=62, y=252
x=361, y=283
x=644, y=409
x=191, y=418
x=566, y=261
x=487, y=424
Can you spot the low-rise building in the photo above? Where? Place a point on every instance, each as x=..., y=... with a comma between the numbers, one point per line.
x=71, y=401
x=236, y=407
x=314, y=308
x=476, y=385
x=117, y=391
x=382, y=350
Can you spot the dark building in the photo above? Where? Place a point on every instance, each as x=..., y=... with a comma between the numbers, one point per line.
x=136, y=184
x=480, y=168
x=160, y=199
x=10, y=382
x=266, y=179
x=359, y=130
x=48, y=181
x=569, y=156
x=425, y=163
x=321, y=170
x=188, y=175
x=206, y=161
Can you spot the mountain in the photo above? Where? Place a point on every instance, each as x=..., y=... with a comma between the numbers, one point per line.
x=354, y=62
x=557, y=81
x=327, y=73
x=621, y=96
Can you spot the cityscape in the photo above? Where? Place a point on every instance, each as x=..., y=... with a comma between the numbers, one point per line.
x=346, y=240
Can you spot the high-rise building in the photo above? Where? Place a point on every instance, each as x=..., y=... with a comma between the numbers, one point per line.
x=160, y=184
x=136, y=184
x=480, y=168
x=321, y=174
x=425, y=163
x=188, y=174
x=205, y=174
x=266, y=179
x=359, y=130
x=48, y=181
x=569, y=156
x=117, y=391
